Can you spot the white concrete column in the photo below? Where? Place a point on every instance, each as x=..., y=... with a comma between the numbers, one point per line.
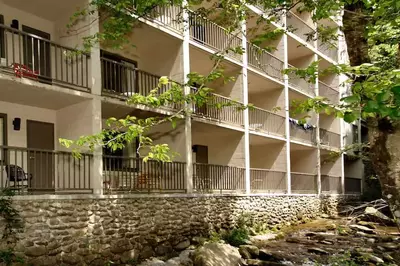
x=246, y=111
x=188, y=118
x=287, y=115
x=318, y=138
x=95, y=63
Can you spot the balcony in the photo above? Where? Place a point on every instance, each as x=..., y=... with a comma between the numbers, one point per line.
x=303, y=183
x=328, y=138
x=267, y=181
x=134, y=175
x=168, y=16
x=328, y=92
x=213, y=36
x=27, y=56
x=302, y=134
x=219, y=108
x=331, y=184
x=214, y=178
x=328, y=50
x=266, y=121
x=300, y=84
x=264, y=61
x=300, y=28
x=33, y=171
x=121, y=81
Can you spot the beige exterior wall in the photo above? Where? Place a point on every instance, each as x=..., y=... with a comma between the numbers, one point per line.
x=304, y=161
x=269, y=100
x=269, y=156
x=331, y=166
x=329, y=123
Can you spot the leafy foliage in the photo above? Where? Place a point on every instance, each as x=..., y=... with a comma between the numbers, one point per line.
x=9, y=214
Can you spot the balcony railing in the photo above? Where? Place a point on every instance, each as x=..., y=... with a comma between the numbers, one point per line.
x=326, y=91
x=26, y=55
x=213, y=36
x=352, y=185
x=331, y=184
x=130, y=174
x=329, y=138
x=34, y=171
x=268, y=181
x=302, y=134
x=169, y=16
x=299, y=27
x=266, y=121
x=300, y=84
x=264, y=61
x=218, y=178
x=328, y=50
x=229, y=112
x=303, y=183
x=123, y=81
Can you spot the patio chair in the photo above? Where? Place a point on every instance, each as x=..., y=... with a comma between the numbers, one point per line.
x=17, y=175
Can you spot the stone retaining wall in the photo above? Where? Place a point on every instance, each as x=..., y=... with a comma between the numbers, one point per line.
x=91, y=231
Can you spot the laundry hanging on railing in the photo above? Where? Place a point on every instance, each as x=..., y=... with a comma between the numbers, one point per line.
x=297, y=123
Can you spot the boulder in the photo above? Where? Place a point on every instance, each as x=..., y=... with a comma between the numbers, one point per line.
x=152, y=262
x=270, y=256
x=367, y=224
x=217, y=254
x=373, y=215
x=249, y=251
x=319, y=251
x=184, y=259
x=182, y=245
x=362, y=228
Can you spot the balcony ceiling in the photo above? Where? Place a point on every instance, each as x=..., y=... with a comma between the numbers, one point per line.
x=47, y=9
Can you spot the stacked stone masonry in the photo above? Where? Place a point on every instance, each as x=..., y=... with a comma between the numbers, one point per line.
x=92, y=231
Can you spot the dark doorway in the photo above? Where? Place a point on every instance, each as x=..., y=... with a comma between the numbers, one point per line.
x=40, y=138
x=37, y=52
x=201, y=170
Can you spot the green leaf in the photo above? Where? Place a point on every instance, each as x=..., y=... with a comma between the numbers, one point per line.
x=349, y=117
x=371, y=107
x=351, y=99
x=383, y=97
x=396, y=90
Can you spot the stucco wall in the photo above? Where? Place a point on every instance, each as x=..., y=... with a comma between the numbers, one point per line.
x=93, y=231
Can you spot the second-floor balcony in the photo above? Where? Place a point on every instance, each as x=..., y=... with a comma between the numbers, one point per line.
x=221, y=109
x=329, y=138
x=328, y=92
x=26, y=55
x=300, y=83
x=266, y=121
x=302, y=133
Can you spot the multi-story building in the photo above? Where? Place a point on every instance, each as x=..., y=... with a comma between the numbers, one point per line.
x=47, y=92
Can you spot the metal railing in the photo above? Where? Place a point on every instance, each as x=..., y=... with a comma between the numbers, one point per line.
x=329, y=138
x=352, y=185
x=229, y=112
x=300, y=83
x=331, y=184
x=299, y=133
x=169, y=16
x=330, y=93
x=262, y=60
x=130, y=174
x=303, y=183
x=210, y=177
x=328, y=49
x=34, y=171
x=212, y=35
x=29, y=56
x=299, y=27
x=266, y=180
x=123, y=81
x=266, y=121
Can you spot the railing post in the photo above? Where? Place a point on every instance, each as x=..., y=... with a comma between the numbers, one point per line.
x=188, y=107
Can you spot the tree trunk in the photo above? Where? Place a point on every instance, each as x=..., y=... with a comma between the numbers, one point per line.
x=385, y=157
